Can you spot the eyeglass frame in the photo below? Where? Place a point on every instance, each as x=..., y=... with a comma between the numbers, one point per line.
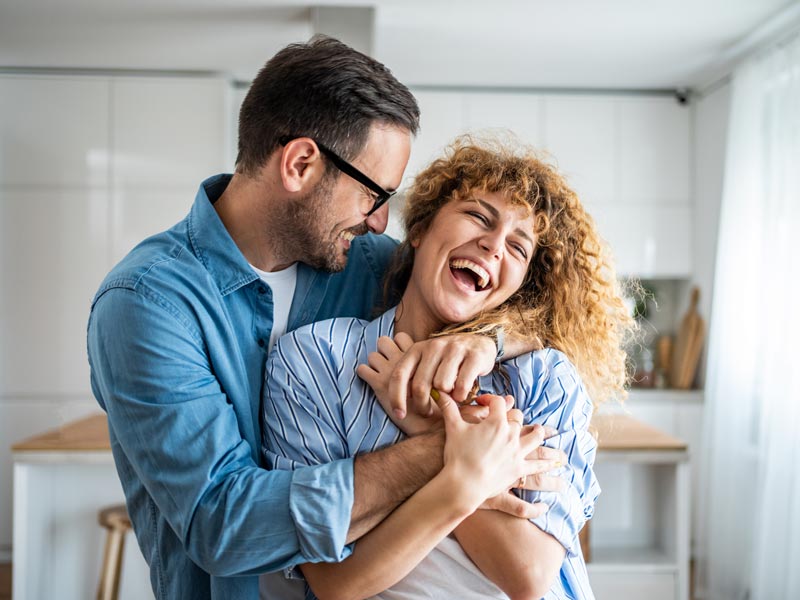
x=345, y=167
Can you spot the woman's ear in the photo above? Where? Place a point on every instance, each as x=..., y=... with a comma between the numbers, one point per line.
x=299, y=162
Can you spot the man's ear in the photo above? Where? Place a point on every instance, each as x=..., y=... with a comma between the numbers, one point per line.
x=300, y=164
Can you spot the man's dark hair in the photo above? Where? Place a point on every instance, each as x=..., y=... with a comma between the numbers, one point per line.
x=325, y=90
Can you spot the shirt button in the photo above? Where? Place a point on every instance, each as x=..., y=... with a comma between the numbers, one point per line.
x=260, y=343
x=261, y=289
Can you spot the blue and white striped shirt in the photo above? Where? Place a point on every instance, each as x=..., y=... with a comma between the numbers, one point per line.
x=316, y=410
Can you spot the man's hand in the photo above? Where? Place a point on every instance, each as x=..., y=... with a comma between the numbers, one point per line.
x=402, y=373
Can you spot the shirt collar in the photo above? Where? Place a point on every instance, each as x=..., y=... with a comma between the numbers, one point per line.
x=211, y=242
x=383, y=325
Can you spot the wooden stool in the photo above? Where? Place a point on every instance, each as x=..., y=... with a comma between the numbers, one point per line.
x=115, y=520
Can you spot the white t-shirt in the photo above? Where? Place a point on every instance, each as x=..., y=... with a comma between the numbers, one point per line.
x=446, y=573
x=282, y=283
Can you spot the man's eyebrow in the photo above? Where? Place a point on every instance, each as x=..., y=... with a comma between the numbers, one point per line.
x=496, y=214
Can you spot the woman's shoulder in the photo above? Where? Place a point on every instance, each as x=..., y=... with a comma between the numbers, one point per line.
x=329, y=338
x=542, y=378
x=547, y=362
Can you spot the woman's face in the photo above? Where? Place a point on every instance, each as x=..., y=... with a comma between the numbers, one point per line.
x=473, y=257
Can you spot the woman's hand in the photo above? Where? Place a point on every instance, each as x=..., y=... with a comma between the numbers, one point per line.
x=491, y=456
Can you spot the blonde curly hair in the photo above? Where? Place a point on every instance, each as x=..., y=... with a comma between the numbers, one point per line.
x=570, y=299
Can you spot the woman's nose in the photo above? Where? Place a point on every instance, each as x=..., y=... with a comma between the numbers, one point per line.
x=492, y=243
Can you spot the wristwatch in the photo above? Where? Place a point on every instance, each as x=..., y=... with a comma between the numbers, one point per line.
x=499, y=337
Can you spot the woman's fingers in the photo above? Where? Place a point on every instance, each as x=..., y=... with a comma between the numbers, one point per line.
x=515, y=417
x=403, y=341
x=554, y=455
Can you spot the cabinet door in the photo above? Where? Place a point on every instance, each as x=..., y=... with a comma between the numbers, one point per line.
x=441, y=120
x=655, y=152
x=168, y=132
x=497, y=114
x=580, y=134
x=54, y=131
x=647, y=240
x=53, y=255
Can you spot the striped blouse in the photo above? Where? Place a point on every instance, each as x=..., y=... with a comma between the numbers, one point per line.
x=316, y=410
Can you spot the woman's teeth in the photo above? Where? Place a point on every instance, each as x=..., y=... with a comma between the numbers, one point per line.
x=480, y=273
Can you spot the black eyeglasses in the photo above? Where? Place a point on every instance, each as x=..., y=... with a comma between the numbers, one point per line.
x=381, y=195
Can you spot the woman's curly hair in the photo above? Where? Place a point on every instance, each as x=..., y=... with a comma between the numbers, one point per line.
x=570, y=299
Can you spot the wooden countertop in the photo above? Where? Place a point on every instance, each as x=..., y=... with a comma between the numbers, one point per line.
x=90, y=433
x=621, y=433
x=615, y=433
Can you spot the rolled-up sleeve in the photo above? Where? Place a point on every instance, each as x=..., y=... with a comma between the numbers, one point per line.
x=180, y=437
x=562, y=403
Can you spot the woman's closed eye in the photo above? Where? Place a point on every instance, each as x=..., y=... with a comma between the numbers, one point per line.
x=520, y=249
x=483, y=219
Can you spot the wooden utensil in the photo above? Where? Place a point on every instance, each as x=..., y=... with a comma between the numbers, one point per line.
x=686, y=353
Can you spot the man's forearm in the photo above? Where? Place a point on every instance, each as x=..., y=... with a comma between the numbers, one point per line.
x=384, y=479
x=517, y=346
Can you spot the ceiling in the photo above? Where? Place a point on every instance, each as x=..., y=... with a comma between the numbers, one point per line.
x=613, y=44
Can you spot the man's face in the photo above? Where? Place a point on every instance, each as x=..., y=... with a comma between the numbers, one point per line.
x=335, y=212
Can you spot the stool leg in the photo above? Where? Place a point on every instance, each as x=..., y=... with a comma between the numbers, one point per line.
x=112, y=566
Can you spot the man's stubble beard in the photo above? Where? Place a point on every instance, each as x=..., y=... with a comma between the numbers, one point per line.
x=307, y=230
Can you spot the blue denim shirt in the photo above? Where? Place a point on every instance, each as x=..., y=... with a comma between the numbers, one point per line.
x=177, y=342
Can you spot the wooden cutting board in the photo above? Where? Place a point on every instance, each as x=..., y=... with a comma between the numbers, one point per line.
x=686, y=353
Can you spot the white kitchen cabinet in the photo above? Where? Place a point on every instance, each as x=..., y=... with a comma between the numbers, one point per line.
x=53, y=131
x=581, y=137
x=497, y=113
x=641, y=527
x=53, y=255
x=626, y=156
x=647, y=240
x=61, y=480
x=138, y=214
x=168, y=132
x=441, y=120
x=89, y=165
x=654, y=151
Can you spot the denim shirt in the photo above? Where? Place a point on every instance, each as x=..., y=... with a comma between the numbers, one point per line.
x=177, y=343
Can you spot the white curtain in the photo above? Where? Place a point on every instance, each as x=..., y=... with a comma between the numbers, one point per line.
x=749, y=538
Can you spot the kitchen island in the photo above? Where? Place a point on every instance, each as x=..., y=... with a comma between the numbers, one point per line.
x=64, y=476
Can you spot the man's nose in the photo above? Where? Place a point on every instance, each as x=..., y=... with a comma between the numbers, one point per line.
x=378, y=220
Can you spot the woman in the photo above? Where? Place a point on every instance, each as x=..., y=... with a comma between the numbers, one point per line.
x=494, y=237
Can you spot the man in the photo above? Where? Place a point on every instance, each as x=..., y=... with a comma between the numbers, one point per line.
x=180, y=330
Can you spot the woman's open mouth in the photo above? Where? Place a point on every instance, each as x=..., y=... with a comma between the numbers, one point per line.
x=470, y=274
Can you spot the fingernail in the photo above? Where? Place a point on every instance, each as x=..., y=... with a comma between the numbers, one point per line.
x=400, y=414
